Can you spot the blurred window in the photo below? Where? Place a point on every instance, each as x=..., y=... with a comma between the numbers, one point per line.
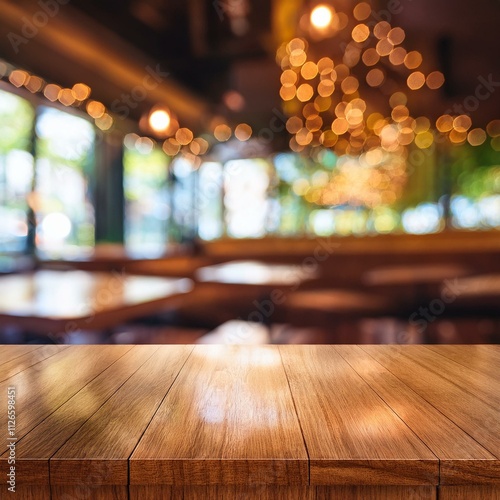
x=184, y=221
x=374, y=193
x=475, y=179
x=209, y=204
x=147, y=199
x=246, y=198
x=64, y=169
x=16, y=171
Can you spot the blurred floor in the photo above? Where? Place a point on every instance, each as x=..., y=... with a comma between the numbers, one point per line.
x=366, y=331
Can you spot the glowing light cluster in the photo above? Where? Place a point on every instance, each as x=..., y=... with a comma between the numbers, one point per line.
x=459, y=130
x=374, y=178
x=325, y=100
x=326, y=96
x=160, y=122
x=331, y=104
x=77, y=96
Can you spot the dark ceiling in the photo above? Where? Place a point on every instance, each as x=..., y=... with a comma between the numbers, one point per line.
x=195, y=41
x=192, y=38
x=212, y=46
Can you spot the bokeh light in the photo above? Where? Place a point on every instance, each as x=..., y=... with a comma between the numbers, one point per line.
x=321, y=16
x=159, y=120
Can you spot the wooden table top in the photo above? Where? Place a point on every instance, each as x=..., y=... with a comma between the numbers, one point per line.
x=414, y=274
x=255, y=273
x=46, y=301
x=480, y=285
x=288, y=416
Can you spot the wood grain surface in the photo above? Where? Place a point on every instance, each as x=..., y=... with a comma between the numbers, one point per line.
x=45, y=386
x=89, y=491
x=9, y=353
x=265, y=492
x=352, y=436
x=480, y=358
x=451, y=444
x=229, y=419
x=32, y=357
x=469, y=493
x=29, y=492
x=467, y=406
x=98, y=452
x=36, y=448
x=264, y=422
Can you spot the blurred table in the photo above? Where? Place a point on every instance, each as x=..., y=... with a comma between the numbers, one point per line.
x=413, y=285
x=255, y=274
x=176, y=266
x=484, y=284
x=413, y=275
x=62, y=301
x=337, y=313
x=258, y=287
x=476, y=296
x=115, y=258
x=255, y=422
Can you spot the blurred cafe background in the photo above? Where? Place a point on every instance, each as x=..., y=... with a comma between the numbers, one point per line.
x=249, y=171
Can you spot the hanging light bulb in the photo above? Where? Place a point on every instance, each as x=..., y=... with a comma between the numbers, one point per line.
x=321, y=16
x=159, y=120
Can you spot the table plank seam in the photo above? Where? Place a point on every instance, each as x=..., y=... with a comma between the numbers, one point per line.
x=387, y=404
x=104, y=402
x=298, y=419
x=496, y=455
x=396, y=413
x=66, y=401
x=8, y=360
x=416, y=455
x=461, y=386
x=153, y=415
x=79, y=390
x=484, y=446
x=449, y=358
x=63, y=348
x=430, y=403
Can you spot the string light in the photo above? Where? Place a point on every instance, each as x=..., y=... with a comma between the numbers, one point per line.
x=79, y=96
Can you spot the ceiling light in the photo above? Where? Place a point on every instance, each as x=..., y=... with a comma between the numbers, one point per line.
x=159, y=120
x=321, y=16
